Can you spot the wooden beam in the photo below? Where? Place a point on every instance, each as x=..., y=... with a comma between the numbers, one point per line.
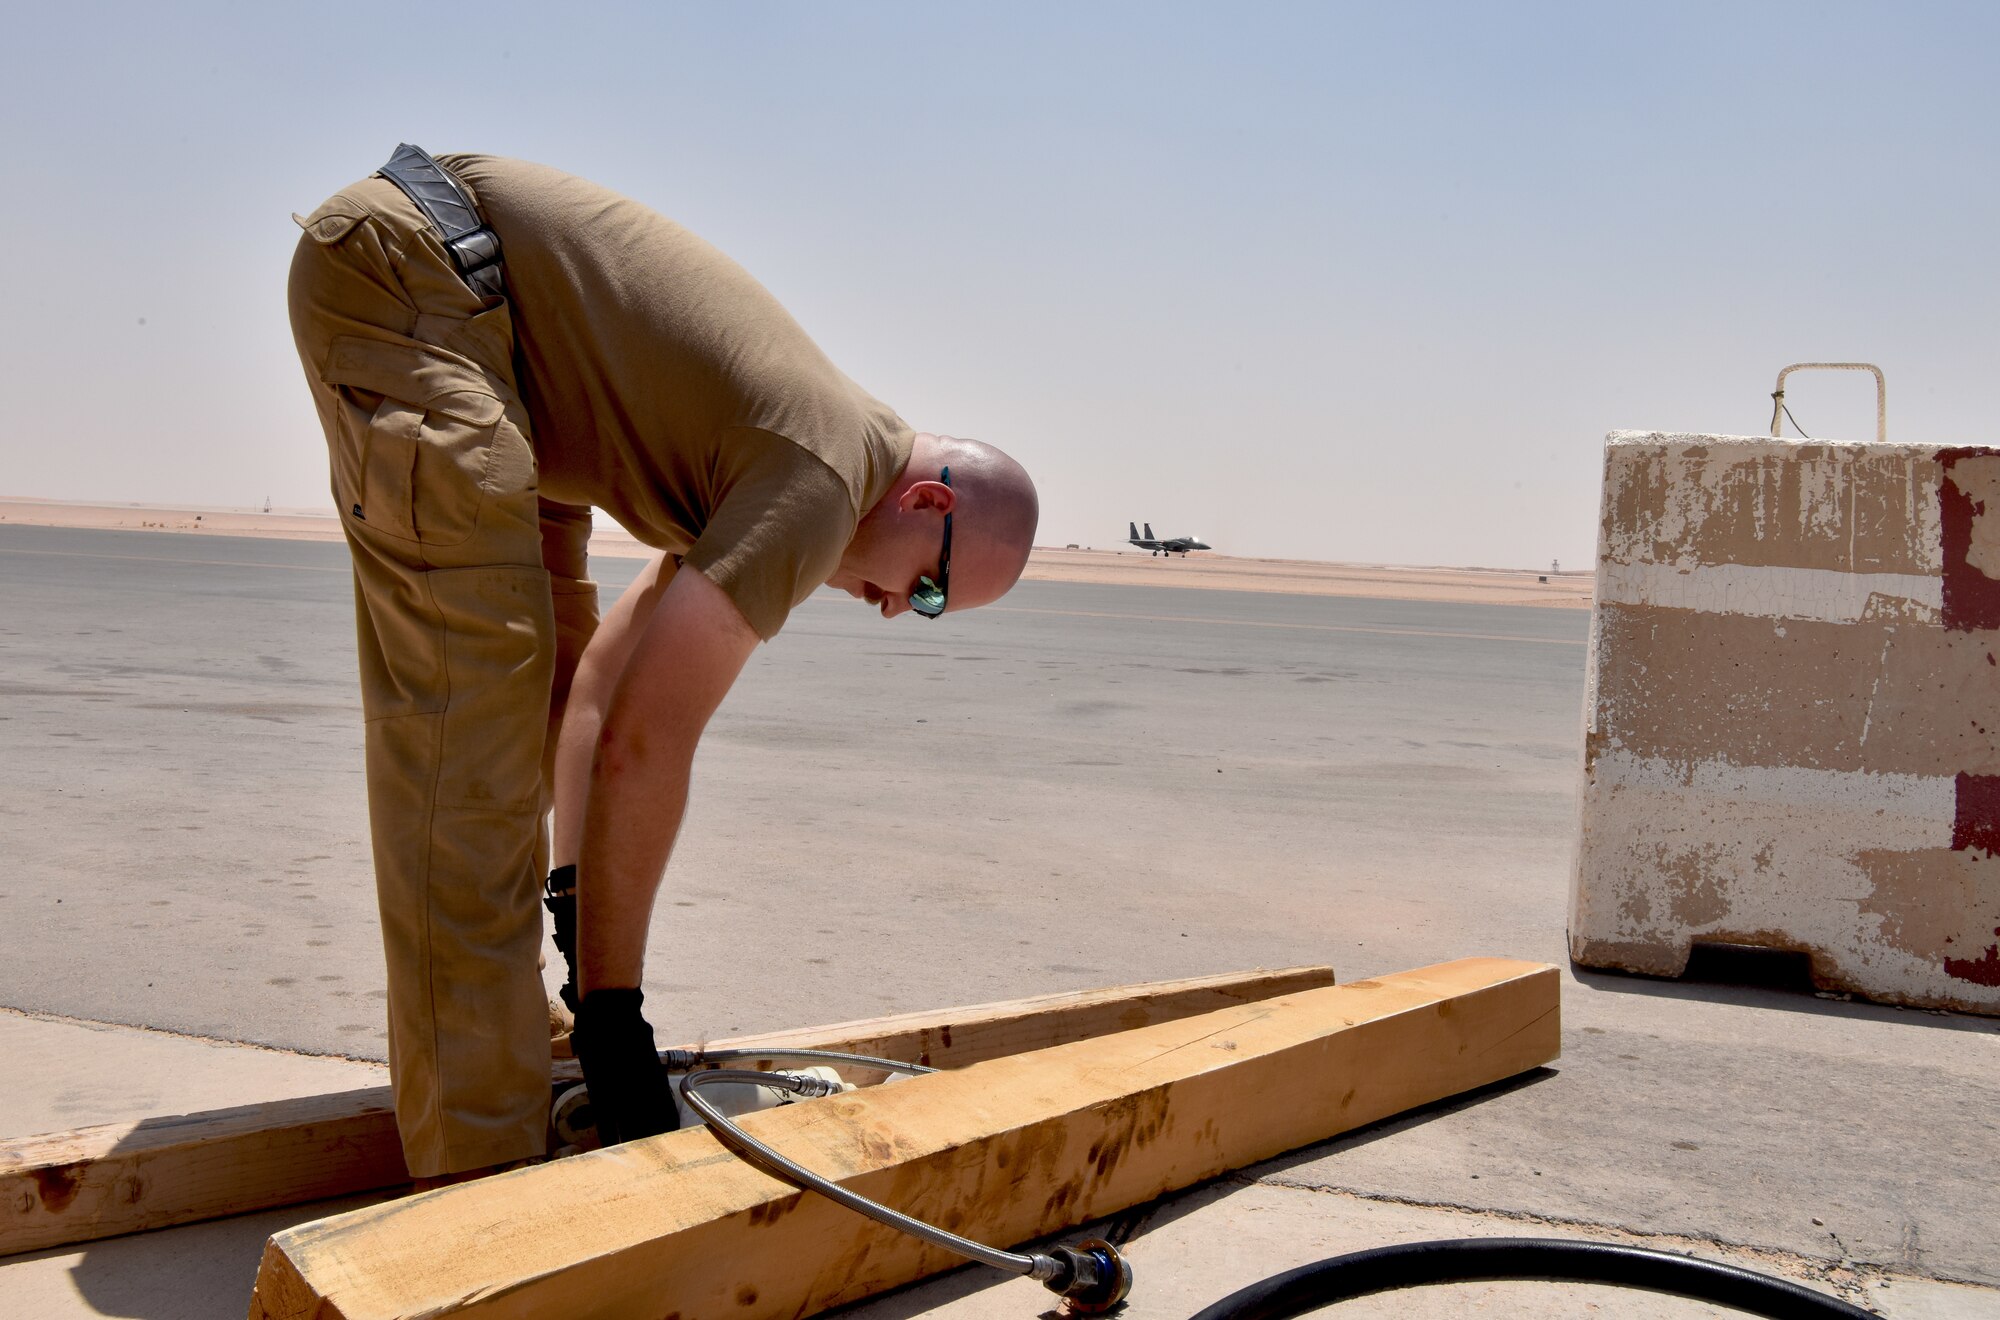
x=1002, y=1151
x=117, y=1178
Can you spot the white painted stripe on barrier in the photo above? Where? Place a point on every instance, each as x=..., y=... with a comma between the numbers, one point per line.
x=1923, y=807
x=1816, y=594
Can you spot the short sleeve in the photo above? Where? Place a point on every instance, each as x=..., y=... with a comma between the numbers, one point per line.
x=783, y=521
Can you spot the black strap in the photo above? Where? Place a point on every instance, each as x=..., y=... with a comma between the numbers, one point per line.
x=474, y=248
x=560, y=899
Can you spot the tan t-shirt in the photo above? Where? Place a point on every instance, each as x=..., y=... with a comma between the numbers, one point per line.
x=668, y=388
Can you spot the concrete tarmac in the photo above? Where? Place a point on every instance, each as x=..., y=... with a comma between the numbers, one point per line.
x=1081, y=786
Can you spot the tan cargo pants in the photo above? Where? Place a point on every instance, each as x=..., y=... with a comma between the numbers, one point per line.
x=471, y=606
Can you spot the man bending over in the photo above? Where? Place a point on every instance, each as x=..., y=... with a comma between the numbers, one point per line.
x=494, y=348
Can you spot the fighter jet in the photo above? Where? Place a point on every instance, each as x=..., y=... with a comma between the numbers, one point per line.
x=1172, y=545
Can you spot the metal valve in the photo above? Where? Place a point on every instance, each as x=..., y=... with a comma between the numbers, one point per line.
x=1091, y=1277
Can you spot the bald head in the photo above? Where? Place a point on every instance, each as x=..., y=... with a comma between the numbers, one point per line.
x=993, y=509
x=997, y=509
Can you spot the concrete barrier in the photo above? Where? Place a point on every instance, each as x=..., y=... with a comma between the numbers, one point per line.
x=1793, y=713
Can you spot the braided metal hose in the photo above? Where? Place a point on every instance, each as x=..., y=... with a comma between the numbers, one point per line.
x=1092, y=1276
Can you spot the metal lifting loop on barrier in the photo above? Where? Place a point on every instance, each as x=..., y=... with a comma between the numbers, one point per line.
x=1881, y=393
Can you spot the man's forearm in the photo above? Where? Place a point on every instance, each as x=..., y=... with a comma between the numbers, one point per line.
x=685, y=652
x=638, y=798
x=597, y=675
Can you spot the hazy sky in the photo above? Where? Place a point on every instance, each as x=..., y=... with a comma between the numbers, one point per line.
x=1329, y=281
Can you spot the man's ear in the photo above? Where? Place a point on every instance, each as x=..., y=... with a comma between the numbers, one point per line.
x=928, y=495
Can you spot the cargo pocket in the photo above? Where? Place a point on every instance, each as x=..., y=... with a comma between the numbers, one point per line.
x=421, y=433
x=498, y=664
x=333, y=221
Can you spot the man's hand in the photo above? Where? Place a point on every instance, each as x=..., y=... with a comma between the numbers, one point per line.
x=630, y=1096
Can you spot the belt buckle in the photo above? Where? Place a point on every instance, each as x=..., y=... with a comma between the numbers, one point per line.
x=477, y=256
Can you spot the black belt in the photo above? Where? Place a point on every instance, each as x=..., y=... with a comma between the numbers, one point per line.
x=474, y=248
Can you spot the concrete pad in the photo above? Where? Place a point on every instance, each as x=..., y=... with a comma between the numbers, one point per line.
x=196, y=1272
x=66, y=1074
x=1819, y=1159
x=69, y=1074
x=1191, y=1251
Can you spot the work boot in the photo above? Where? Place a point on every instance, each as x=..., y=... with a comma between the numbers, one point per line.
x=559, y=897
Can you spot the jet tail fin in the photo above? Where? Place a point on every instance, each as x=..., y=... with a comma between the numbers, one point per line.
x=1133, y=528
x=1149, y=532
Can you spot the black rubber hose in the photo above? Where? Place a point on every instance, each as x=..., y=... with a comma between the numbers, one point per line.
x=1552, y=1260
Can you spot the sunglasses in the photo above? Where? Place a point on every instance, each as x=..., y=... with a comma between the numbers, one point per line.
x=927, y=598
